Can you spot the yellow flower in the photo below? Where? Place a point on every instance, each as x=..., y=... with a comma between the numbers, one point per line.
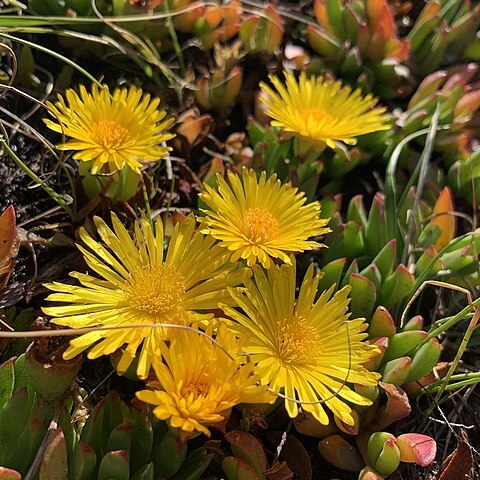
x=322, y=110
x=307, y=349
x=261, y=219
x=137, y=283
x=199, y=383
x=120, y=129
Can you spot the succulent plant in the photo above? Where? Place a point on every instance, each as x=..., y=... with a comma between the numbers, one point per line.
x=219, y=88
x=463, y=176
x=277, y=153
x=374, y=452
x=443, y=31
x=248, y=461
x=458, y=100
x=212, y=23
x=64, y=7
x=365, y=252
x=262, y=33
x=357, y=39
x=116, y=441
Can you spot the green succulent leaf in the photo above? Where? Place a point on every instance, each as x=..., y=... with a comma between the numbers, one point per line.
x=332, y=274
x=92, y=431
x=415, y=323
x=403, y=343
x=142, y=441
x=147, y=472
x=373, y=274
x=356, y=210
x=169, y=455
x=381, y=324
x=397, y=287
x=386, y=258
x=396, y=371
x=363, y=296
x=120, y=438
x=429, y=263
x=82, y=463
x=376, y=229
x=424, y=360
x=7, y=381
x=114, y=465
x=14, y=418
x=194, y=466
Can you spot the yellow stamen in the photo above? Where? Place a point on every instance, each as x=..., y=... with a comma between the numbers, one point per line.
x=154, y=289
x=109, y=134
x=260, y=225
x=196, y=388
x=318, y=115
x=296, y=340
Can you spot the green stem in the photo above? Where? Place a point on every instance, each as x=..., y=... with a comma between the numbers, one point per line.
x=460, y=380
x=176, y=45
x=58, y=198
x=463, y=345
x=446, y=323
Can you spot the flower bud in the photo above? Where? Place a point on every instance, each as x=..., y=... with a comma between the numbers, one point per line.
x=383, y=453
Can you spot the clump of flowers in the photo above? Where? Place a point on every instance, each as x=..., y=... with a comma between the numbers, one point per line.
x=111, y=130
x=321, y=110
x=261, y=219
x=138, y=284
x=200, y=381
x=307, y=349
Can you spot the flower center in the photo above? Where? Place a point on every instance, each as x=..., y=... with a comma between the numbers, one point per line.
x=154, y=289
x=317, y=114
x=109, y=134
x=260, y=225
x=198, y=389
x=297, y=340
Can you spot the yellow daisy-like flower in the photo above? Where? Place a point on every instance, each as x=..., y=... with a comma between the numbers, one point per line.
x=139, y=284
x=199, y=383
x=261, y=219
x=322, y=110
x=307, y=349
x=120, y=129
